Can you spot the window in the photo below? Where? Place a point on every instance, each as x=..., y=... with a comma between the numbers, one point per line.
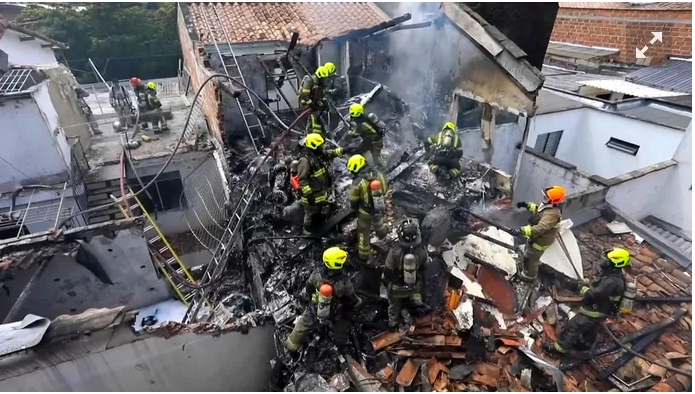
x=623, y=146
x=548, y=142
x=167, y=192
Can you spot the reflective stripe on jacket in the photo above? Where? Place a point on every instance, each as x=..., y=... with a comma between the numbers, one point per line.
x=360, y=192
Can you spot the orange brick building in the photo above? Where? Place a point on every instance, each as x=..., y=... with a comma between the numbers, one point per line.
x=626, y=26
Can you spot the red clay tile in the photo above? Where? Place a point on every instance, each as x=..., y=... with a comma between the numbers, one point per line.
x=254, y=21
x=484, y=380
x=490, y=370
x=407, y=373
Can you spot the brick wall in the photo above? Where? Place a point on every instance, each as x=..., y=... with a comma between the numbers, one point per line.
x=193, y=64
x=626, y=30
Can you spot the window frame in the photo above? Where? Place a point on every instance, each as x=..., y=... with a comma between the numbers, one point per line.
x=623, y=146
x=159, y=206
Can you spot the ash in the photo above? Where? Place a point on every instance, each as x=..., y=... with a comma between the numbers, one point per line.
x=276, y=261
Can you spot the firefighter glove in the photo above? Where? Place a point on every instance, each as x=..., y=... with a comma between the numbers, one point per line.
x=515, y=232
x=522, y=204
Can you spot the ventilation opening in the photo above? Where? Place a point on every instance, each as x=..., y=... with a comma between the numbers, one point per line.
x=623, y=146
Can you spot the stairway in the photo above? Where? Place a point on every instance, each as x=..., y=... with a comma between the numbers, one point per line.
x=98, y=193
x=679, y=241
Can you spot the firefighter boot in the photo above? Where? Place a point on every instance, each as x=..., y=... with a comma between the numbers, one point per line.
x=524, y=275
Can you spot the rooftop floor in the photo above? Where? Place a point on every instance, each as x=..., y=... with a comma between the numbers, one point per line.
x=106, y=147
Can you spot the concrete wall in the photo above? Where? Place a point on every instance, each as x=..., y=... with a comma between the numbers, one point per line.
x=506, y=138
x=186, y=362
x=539, y=171
x=639, y=191
x=586, y=132
x=570, y=122
x=25, y=53
x=70, y=116
x=679, y=211
x=31, y=150
x=67, y=287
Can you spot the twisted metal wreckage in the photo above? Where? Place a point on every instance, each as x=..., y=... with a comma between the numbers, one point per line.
x=483, y=325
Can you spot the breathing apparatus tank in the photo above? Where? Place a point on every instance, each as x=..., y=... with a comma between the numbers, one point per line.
x=409, y=269
x=323, y=307
x=377, y=196
x=294, y=178
x=628, y=299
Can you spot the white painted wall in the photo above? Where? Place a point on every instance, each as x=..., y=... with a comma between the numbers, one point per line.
x=637, y=197
x=28, y=143
x=26, y=53
x=586, y=131
x=678, y=211
x=50, y=115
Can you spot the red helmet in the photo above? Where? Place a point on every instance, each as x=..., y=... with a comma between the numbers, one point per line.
x=135, y=81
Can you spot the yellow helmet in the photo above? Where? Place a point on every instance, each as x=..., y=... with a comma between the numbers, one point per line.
x=321, y=72
x=312, y=141
x=356, y=110
x=152, y=85
x=330, y=68
x=449, y=126
x=619, y=257
x=356, y=163
x=334, y=258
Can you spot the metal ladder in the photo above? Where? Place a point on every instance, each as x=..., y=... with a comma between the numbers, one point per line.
x=159, y=248
x=219, y=257
x=251, y=120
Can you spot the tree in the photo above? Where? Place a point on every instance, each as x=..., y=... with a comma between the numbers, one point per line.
x=122, y=39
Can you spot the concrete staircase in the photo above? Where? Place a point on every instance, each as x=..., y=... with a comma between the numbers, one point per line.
x=680, y=241
x=98, y=194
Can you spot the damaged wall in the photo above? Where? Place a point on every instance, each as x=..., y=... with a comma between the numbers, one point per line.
x=507, y=137
x=70, y=116
x=108, y=361
x=539, y=170
x=66, y=287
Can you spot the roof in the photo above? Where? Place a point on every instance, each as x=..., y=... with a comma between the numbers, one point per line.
x=549, y=102
x=7, y=25
x=685, y=101
x=673, y=75
x=254, y=22
x=568, y=80
x=673, y=341
x=656, y=6
x=627, y=87
x=579, y=51
x=654, y=114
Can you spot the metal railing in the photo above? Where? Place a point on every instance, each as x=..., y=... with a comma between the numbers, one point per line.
x=79, y=167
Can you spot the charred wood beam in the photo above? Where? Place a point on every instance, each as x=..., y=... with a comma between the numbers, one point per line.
x=625, y=358
x=568, y=364
x=493, y=240
x=656, y=300
x=361, y=33
x=483, y=219
x=330, y=224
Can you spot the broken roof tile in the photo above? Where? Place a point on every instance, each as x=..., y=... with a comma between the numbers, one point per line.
x=253, y=21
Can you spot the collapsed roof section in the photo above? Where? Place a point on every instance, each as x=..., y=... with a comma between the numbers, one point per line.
x=515, y=86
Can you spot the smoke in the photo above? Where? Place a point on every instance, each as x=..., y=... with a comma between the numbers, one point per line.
x=416, y=63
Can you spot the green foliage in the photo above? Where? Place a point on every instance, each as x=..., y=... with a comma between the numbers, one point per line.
x=122, y=39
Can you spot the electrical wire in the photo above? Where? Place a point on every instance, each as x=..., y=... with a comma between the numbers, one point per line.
x=634, y=353
x=180, y=140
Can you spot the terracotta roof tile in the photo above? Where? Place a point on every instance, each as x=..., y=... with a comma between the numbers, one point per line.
x=673, y=281
x=605, y=5
x=252, y=22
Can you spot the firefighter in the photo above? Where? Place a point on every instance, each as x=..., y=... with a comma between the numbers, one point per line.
x=448, y=151
x=367, y=197
x=141, y=96
x=153, y=104
x=328, y=304
x=371, y=130
x=336, y=85
x=600, y=299
x=311, y=94
x=404, y=270
x=314, y=178
x=540, y=233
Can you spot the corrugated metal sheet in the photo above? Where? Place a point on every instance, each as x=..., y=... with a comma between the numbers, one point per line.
x=568, y=80
x=674, y=75
x=579, y=51
x=630, y=88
